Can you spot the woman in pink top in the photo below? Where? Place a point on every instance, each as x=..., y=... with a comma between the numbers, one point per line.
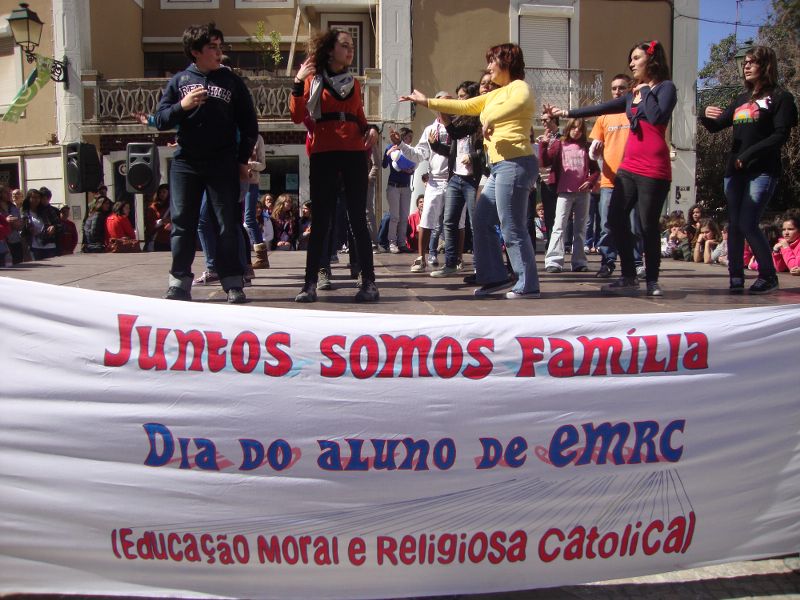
x=645, y=174
x=786, y=253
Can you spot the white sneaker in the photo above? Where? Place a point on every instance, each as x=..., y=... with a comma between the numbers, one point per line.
x=418, y=266
x=433, y=261
x=206, y=278
x=393, y=248
x=641, y=272
x=445, y=272
x=512, y=295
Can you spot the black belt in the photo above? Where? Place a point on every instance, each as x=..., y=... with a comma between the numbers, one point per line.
x=338, y=116
x=397, y=185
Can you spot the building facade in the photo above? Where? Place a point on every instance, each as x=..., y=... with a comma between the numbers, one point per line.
x=121, y=53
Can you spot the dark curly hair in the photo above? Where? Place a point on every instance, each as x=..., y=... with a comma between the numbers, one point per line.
x=321, y=45
x=657, y=67
x=509, y=57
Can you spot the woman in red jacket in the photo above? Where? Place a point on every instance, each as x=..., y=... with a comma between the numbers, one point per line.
x=118, y=225
x=325, y=90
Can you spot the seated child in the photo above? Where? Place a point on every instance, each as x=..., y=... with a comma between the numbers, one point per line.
x=670, y=239
x=305, y=226
x=719, y=256
x=707, y=239
x=786, y=251
x=412, y=241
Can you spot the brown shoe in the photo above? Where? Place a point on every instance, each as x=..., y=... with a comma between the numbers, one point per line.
x=261, y=260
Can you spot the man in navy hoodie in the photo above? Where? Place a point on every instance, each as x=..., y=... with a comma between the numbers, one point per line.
x=213, y=111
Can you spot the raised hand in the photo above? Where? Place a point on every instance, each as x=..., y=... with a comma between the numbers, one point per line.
x=307, y=69
x=416, y=97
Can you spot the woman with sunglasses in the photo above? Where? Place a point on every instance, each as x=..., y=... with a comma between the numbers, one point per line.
x=762, y=118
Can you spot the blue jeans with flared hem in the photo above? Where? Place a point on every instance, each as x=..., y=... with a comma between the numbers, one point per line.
x=748, y=195
x=460, y=191
x=504, y=200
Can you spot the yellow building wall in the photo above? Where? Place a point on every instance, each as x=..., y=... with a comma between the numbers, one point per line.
x=231, y=21
x=38, y=124
x=450, y=42
x=117, y=39
x=608, y=30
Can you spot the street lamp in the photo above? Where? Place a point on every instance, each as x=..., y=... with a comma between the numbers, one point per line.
x=26, y=27
x=741, y=54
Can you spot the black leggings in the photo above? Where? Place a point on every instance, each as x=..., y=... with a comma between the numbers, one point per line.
x=650, y=194
x=325, y=170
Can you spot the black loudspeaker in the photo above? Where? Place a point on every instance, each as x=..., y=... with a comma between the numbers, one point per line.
x=83, y=168
x=143, y=172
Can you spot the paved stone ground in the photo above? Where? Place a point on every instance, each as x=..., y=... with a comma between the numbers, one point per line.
x=688, y=287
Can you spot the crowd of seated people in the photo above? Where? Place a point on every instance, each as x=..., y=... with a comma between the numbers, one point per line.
x=704, y=240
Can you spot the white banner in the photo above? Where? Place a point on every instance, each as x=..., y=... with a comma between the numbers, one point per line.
x=165, y=448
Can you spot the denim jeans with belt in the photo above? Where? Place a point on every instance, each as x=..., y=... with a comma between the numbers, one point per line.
x=747, y=195
x=460, y=191
x=504, y=200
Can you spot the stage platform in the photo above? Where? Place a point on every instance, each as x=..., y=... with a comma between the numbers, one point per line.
x=687, y=286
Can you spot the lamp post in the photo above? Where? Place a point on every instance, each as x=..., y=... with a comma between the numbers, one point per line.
x=26, y=27
x=741, y=54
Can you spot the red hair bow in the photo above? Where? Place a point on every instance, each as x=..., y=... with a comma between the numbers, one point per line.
x=652, y=47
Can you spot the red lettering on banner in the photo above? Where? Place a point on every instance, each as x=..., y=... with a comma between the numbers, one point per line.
x=580, y=543
x=243, y=354
x=404, y=356
x=629, y=355
x=272, y=346
x=356, y=551
x=496, y=547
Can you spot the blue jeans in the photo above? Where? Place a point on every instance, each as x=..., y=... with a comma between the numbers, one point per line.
x=207, y=234
x=504, y=200
x=605, y=243
x=747, y=197
x=593, y=224
x=219, y=181
x=250, y=223
x=460, y=191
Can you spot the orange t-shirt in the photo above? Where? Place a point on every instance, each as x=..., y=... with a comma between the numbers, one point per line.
x=331, y=136
x=612, y=130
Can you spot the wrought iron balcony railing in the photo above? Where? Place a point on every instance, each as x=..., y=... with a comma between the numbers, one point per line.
x=116, y=100
x=566, y=88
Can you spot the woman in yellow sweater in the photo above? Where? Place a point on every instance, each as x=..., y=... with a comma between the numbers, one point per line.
x=506, y=115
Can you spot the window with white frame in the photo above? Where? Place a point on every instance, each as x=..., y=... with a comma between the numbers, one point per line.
x=10, y=70
x=188, y=4
x=544, y=41
x=358, y=26
x=264, y=3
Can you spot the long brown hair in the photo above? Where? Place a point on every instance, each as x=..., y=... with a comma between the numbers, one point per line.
x=767, y=62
